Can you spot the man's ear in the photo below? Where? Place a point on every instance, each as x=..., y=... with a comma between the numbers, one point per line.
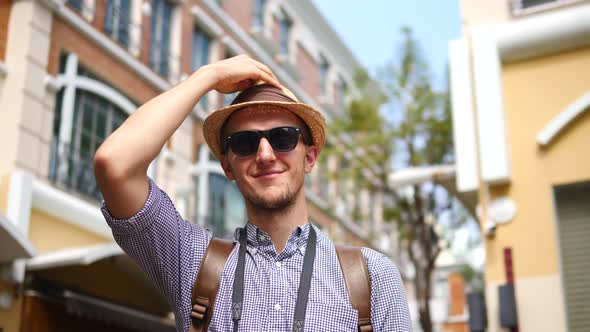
x=226, y=168
x=311, y=156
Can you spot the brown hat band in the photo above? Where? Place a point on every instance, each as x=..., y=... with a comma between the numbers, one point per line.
x=262, y=92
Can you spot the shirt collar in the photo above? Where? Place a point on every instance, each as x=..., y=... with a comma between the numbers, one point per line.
x=260, y=240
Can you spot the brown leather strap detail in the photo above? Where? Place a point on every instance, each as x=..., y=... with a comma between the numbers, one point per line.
x=358, y=283
x=207, y=283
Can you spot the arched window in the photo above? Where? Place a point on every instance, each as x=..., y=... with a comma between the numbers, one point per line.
x=87, y=111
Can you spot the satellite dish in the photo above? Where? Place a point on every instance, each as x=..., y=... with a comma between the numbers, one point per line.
x=502, y=210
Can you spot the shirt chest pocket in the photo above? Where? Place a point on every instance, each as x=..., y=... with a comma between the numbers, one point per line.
x=330, y=317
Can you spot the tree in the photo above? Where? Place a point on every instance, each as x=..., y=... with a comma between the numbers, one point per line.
x=401, y=121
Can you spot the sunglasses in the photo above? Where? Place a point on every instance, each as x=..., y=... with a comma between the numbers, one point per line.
x=245, y=143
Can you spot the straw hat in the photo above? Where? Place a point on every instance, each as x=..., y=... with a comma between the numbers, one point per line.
x=264, y=95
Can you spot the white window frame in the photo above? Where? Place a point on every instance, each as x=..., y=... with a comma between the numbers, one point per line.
x=518, y=10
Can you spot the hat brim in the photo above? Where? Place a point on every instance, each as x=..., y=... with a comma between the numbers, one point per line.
x=313, y=119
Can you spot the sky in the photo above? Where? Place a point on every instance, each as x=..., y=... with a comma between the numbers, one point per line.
x=371, y=28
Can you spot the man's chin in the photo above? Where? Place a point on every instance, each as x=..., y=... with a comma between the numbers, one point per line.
x=272, y=202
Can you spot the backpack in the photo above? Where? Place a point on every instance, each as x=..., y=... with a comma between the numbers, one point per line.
x=352, y=263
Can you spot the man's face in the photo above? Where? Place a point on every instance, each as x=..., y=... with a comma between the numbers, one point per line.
x=268, y=179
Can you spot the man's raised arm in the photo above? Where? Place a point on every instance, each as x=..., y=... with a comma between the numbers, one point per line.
x=121, y=162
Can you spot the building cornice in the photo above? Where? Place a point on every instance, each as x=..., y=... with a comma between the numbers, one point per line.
x=544, y=34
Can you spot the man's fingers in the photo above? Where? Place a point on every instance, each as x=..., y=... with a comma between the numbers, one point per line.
x=267, y=76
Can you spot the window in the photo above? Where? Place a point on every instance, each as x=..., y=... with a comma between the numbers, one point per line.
x=71, y=165
x=258, y=14
x=324, y=67
x=200, y=52
x=285, y=31
x=160, y=36
x=77, y=4
x=226, y=206
x=219, y=205
x=520, y=7
x=200, y=56
x=229, y=97
x=117, y=20
x=533, y=3
x=85, y=115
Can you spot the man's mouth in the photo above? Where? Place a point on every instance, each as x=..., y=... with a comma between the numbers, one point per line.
x=268, y=174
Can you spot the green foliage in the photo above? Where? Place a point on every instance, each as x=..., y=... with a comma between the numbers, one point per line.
x=399, y=119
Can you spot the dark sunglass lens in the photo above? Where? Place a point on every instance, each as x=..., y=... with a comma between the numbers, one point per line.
x=244, y=143
x=284, y=138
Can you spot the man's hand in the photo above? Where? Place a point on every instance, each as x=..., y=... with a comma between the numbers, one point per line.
x=237, y=73
x=122, y=161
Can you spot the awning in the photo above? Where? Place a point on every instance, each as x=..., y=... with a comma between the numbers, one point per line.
x=443, y=175
x=119, y=316
x=74, y=256
x=13, y=243
x=67, y=310
x=103, y=271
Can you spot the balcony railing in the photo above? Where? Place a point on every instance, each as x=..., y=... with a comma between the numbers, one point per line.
x=71, y=169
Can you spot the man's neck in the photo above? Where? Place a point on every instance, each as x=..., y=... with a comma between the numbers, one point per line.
x=280, y=224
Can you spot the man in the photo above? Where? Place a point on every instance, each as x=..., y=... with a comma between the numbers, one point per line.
x=266, y=143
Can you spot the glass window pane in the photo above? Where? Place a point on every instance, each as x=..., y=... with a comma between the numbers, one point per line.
x=235, y=211
x=258, y=13
x=101, y=123
x=284, y=36
x=160, y=36
x=216, y=205
x=72, y=165
x=226, y=206
x=76, y=4
x=117, y=19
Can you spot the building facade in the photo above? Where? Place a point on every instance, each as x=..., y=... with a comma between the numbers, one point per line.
x=521, y=101
x=71, y=72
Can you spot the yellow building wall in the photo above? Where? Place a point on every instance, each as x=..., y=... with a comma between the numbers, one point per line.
x=48, y=233
x=535, y=91
x=4, y=184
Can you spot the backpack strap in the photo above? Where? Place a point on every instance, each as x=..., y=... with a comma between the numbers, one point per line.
x=358, y=283
x=207, y=283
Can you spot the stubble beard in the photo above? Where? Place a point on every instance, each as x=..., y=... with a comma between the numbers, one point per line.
x=280, y=205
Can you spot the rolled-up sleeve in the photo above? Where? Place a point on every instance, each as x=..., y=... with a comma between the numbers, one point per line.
x=167, y=247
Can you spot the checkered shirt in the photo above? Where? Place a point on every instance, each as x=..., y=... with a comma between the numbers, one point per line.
x=170, y=249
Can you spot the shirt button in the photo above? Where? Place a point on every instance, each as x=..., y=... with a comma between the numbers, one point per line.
x=277, y=307
x=262, y=238
x=278, y=264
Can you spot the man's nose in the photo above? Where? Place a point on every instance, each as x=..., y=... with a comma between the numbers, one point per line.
x=265, y=152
